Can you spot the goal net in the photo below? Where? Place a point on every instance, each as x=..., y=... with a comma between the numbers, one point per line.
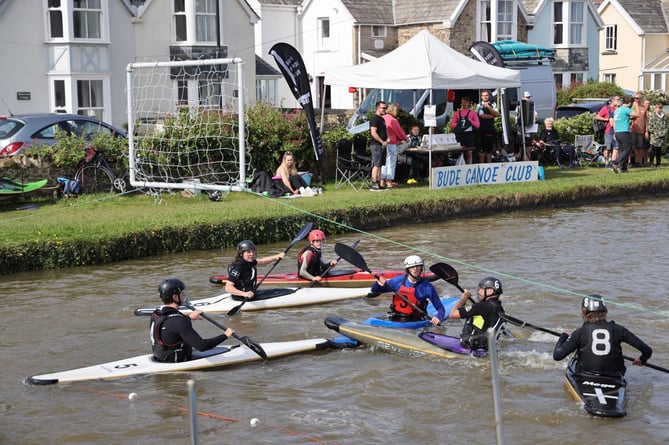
x=186, y=124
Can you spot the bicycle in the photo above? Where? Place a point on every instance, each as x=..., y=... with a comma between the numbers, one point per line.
x=97, y=176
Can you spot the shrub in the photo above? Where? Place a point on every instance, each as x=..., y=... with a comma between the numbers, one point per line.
x=566, y=96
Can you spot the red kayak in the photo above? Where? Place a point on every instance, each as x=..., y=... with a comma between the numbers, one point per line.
x=335, y=278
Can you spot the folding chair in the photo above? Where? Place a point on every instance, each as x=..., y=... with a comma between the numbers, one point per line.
x=588, y=151
x=350, y=169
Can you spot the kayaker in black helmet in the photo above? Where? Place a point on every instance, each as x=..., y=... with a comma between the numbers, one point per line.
x=242, y=273
x=598, y=342
x=482, y=315
x=172, y=335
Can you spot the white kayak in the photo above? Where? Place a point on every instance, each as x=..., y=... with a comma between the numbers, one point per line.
x=144, y=364
x=271, y=299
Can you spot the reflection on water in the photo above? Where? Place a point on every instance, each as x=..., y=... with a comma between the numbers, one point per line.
x=547, y=260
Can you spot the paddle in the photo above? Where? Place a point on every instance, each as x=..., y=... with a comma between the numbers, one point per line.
x=247, y=341
x=448, y=273
x=301, y=234
x=327, y=269
x=351, y=255
x=523, y=324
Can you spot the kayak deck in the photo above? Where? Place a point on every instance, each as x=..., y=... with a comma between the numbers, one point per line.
x=602, y=396
x=144, y=364
x=335, y=278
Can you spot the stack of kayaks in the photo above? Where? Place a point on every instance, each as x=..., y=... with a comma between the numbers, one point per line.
x=214, y=358
x=335, y=278
x=271, y=299
x=602, y=396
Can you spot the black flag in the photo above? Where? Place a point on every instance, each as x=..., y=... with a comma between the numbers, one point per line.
x=292, y=67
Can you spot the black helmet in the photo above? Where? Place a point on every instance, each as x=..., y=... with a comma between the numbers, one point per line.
x=215, y=195
x=170, y=287
x=594, y=303
x=491, y=283
x=245, y=245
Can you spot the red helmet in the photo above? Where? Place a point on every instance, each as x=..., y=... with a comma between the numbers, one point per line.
x=315, y=235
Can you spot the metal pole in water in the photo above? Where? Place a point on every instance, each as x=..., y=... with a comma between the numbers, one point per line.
x=193, y=415
x=492, y=352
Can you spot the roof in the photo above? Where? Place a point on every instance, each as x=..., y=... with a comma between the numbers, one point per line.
x=280, y=2
x=378, y=12
x=424, y=11
x=650, y=16
x=265, y=69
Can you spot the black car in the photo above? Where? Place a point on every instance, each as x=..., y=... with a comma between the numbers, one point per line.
x=567, y=111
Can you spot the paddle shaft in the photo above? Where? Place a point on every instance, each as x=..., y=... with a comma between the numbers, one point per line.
x=330, y=266
x=522, y=324
x=448, y=273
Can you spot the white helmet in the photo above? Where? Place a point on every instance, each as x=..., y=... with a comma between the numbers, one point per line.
x=412, y=260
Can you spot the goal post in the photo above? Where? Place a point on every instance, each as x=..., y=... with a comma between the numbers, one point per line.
x=186, y=126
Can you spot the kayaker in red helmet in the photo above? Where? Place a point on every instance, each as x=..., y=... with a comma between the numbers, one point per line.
x=309, y=262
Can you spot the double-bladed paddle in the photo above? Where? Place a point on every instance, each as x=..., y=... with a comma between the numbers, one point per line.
x=247, y=341
x=351, y=255
x=523, y=324
x=327, y=269
x=447, y=273
x=300, y=235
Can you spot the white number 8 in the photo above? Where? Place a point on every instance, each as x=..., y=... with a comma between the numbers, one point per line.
x=601, y=344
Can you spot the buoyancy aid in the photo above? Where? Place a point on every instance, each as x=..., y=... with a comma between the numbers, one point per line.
x=401, y=307
x=315, y=266
x=163, y=352
x=475, y=331
x=244, y=275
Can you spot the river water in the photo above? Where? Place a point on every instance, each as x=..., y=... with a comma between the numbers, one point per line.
x=547, y=260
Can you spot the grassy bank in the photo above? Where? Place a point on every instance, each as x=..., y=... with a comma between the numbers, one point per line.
x=106, y=228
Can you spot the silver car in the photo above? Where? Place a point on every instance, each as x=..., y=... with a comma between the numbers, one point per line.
x=19, y=132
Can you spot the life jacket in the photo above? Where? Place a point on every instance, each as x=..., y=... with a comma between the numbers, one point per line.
x=244, y=275
x=162, y=351
x=314, y=267
x=400, y=307
x=475, y=331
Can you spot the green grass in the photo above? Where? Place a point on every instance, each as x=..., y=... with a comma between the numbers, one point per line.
x=104, y=217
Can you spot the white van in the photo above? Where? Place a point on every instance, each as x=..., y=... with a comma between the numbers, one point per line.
x=537, y=78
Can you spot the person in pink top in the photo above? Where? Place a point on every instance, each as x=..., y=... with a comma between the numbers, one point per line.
x=465, y=121
x=395, y=136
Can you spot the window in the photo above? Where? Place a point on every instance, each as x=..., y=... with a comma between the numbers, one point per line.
x=180, y=21
x=379, y=31
x=323, y=33
x=195, y=21
x=497, y=20
x=568, y=23
x=90, y=100
x=611, y=38
x=182, y=92
x=205, y=20
x=266, y=90
x=55, y=19
x=566, y=78
x=610, y=78
x=59, y=95
x=209, y=93
x=87, y=19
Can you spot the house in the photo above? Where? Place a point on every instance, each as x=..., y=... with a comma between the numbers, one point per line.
x=74, y=58
x=635, y=44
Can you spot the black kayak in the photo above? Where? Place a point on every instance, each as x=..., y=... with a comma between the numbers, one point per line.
x=601, y=395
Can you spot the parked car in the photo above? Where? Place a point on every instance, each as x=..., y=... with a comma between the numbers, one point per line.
x=571, y=110
x=19, y=132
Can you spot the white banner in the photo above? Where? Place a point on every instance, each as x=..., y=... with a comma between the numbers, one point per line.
x=496, y=173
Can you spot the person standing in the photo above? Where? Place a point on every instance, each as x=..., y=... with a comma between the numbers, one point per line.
x=310, y=264
x=605, y=114
x=412, y=293
x=598, y=342
x=242, y=273
x=171, y=332
x=487, y=112
x=395, y=136
x=657, y=129
x=622, y=119
x=639, y=130
x=378, y=143
x=464, y=122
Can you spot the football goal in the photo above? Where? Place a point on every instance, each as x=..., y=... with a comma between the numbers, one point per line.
x=186, y=124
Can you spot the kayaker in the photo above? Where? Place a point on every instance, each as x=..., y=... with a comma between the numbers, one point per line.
x=597, y=342
x=242, y=273
x=172, y=335
x=414, y=288
x=310, y=265
x=482, y=315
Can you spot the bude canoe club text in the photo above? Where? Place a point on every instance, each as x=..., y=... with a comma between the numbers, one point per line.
x=496, y=173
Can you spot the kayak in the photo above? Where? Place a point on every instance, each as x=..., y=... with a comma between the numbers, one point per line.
x=335, y=278
x=400, y=340
x=602, y=396
x=213, y=358
x=270, y=299
x=10, y=188
x=383, y=320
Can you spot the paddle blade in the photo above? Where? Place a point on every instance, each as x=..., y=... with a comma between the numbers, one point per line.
x=237, y=308
x=351, y=255
x=304, y=231
x=447, y=273
x=252, y=345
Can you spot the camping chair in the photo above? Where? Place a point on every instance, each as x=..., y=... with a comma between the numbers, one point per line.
x=588, y=151
x=351, y=170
